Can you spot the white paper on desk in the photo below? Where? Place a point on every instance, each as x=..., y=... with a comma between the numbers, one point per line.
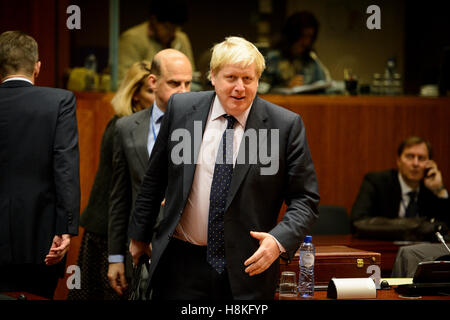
x=318, y=85
x=355, y=288
x=398, y=281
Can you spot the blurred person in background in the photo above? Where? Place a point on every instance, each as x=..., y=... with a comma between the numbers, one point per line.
x=415, y=189
x=161, y=31
x=293, y=61
x=134, y=139
x=133, y=95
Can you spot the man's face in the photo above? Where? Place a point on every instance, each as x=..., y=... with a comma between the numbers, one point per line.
x=304, y=44
x=164, y=32
x=412, y=162
x=235, y=87
x=144, y=97
x=176, y=77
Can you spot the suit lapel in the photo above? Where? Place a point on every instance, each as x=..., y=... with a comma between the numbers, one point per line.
x=256, y=120
x=397, y=194
x=139, y=136
x=195, y=123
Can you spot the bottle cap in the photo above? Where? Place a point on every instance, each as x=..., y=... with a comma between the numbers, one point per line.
x=308, y=239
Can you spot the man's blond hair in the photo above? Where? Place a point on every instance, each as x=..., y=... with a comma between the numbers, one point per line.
x=18, y=53
x=236, y=51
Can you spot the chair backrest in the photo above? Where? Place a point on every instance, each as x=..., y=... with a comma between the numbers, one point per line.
x=332, y=220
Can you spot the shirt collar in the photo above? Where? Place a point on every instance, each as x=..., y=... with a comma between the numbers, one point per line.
x=157, y=113
x=218, y=111
x=404, y=187
x=17, y=79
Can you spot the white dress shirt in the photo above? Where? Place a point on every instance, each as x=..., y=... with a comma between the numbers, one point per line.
x=193, y=226
x=405, y=197
x=154, y=126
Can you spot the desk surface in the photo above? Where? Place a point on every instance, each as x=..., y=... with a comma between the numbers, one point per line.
x=29, y=296
x=387, y=249
x=390, y=294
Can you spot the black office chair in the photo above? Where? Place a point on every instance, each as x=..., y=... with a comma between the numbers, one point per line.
x=332, y=220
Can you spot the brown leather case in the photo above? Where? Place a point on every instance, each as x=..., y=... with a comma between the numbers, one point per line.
x=337, y=262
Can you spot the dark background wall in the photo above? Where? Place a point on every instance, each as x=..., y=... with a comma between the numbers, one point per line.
x=415, y=32
x=427, y=34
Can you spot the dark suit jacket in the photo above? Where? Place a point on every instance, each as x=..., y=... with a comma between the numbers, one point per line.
x=380, y=195
x=39, y=170
x=130, y=160
x=254, y=200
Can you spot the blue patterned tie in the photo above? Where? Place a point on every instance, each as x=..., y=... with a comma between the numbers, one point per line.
x=223, y=171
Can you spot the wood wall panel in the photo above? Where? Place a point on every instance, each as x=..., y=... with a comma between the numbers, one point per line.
x=350, y=136
x=93, y=113
x=45, y=21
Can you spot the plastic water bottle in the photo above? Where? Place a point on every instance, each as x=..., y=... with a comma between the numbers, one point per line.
x=389, y=77
x=306, y=263
x=376, y=84
x=91, y=62
x=91, y=65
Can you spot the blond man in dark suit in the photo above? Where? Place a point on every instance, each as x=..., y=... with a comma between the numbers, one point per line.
x=218, y=237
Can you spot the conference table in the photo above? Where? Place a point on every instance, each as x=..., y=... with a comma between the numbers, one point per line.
x=20, y=295
x=382, y=295
x=387, y=249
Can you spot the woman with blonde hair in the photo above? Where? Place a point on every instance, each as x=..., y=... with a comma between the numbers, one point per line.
x=132, y=96
x=134, y=93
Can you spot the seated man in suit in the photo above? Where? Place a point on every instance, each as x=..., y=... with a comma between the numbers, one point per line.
x=39, y=172
x=414, y=189
x=218, y=236
x=134, y=138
